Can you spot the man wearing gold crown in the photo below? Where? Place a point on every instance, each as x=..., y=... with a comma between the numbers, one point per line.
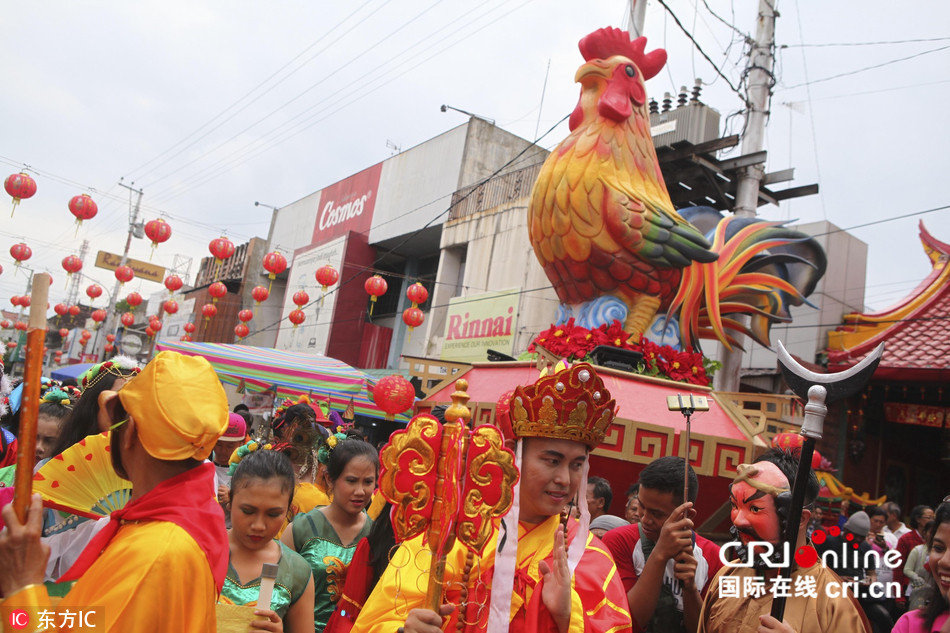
x=166, y=420
x=537, y=573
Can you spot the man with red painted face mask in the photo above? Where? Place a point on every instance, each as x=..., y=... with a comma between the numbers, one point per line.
x=739, y=597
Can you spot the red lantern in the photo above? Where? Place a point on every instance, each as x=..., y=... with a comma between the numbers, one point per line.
x=63, y=332
x=394, y=394
x=375, y=286
x=128, y=319
x=274, y=264
x=241, y=330
x=245, y=315
x=327, y=276
x=217, y=290
x=74, y=310
x=61, y=309
x=297, y=317
x=413, y=317
x=301, y=298
x=98, y=316
x=15, y=300
x=71, y=264
x=110, y=338
x=149, y=332
x=155, y=324
x=94, y=291
x=190, y=327
x=124, y=274
x=108, y=347
x=20, y=252
x=260, y=294
x=186, y=338
x=11, y=345
x=158, y=231
x=209, y=310
x=25, y=301
x=20, y=325
x=5, y=324
x=417, y=294
x=86, y=334
x=170, y=307
x=221, y=248
x=173, y=283
x=20, y=187
x=84, y=208
x=134, y=299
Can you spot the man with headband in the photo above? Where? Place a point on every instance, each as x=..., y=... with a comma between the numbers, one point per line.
x=739, y=598
x=535, y=574
x=161, y=560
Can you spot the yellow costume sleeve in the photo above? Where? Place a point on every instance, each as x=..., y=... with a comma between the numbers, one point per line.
x=151, y=577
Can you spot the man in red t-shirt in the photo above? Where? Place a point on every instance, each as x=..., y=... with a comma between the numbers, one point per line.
x=663, y=564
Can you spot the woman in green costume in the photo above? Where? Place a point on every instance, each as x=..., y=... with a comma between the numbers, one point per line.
x=262, y=487
x=327, y=536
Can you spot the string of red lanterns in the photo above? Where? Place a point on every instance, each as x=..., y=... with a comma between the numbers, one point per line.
x=274, y=264
x=71, y=264
x=20, y=187
x=84, y=208
x=20, y=252
x=222, y=248
x=124, y=274
x=217, y=290
x=375, y=287
x=158, y=231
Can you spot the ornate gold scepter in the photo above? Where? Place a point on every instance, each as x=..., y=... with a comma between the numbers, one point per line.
x=448, y=481
x=30, y=403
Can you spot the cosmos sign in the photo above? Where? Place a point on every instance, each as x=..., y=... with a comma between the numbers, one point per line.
x=346, y=206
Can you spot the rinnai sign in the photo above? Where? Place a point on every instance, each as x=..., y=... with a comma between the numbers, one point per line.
x=347, y=205
x=477, y=323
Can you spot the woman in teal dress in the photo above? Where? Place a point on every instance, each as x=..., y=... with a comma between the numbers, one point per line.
x=261, y=492
x=327, y=536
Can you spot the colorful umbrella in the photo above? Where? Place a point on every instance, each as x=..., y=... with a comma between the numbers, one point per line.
x=292, y=373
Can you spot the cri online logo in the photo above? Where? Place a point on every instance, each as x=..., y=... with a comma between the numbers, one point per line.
x=805, y=556
x=19, y=619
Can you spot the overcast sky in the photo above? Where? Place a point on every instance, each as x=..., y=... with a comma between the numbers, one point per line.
x=211, y=106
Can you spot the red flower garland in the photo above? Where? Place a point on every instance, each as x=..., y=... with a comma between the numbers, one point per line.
x=575, y=343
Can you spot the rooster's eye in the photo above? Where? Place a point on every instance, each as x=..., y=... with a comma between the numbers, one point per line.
x=630, y=71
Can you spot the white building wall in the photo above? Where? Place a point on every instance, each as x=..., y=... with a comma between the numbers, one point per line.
x=417, y=185
x=498, y=257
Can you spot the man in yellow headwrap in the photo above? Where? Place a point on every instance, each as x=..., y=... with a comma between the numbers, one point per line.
x=160, y=563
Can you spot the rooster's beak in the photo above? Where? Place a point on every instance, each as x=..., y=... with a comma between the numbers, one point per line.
x=596, y=67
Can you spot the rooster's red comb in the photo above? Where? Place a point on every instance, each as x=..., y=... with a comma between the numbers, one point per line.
x=606, y=42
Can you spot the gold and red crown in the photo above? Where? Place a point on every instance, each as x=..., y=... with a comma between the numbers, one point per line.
x=572, y=404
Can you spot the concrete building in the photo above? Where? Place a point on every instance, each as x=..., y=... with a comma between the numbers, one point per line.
x=387, y=219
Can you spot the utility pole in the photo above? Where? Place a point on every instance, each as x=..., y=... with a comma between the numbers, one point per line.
x=135, y=230
x=753, y=140
x=638, y=14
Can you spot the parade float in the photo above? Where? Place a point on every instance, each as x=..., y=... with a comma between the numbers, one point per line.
x=640, y=283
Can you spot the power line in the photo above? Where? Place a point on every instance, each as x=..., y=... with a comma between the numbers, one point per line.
x=732, y=26
x=861, y=70
x=191, y=136
x=701, y=51
x=803, y=45
x=263, y=144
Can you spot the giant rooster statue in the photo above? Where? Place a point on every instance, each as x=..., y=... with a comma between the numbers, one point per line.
x=608, y=237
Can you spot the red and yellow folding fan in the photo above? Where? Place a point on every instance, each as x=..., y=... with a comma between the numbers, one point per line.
x=81, y=480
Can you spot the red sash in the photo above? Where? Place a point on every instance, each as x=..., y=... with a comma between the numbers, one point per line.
x=185, y=500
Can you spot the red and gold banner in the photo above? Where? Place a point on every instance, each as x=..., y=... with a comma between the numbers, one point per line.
x=920, y=414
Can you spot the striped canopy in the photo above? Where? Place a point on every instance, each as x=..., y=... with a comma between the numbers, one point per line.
x=292, y=373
